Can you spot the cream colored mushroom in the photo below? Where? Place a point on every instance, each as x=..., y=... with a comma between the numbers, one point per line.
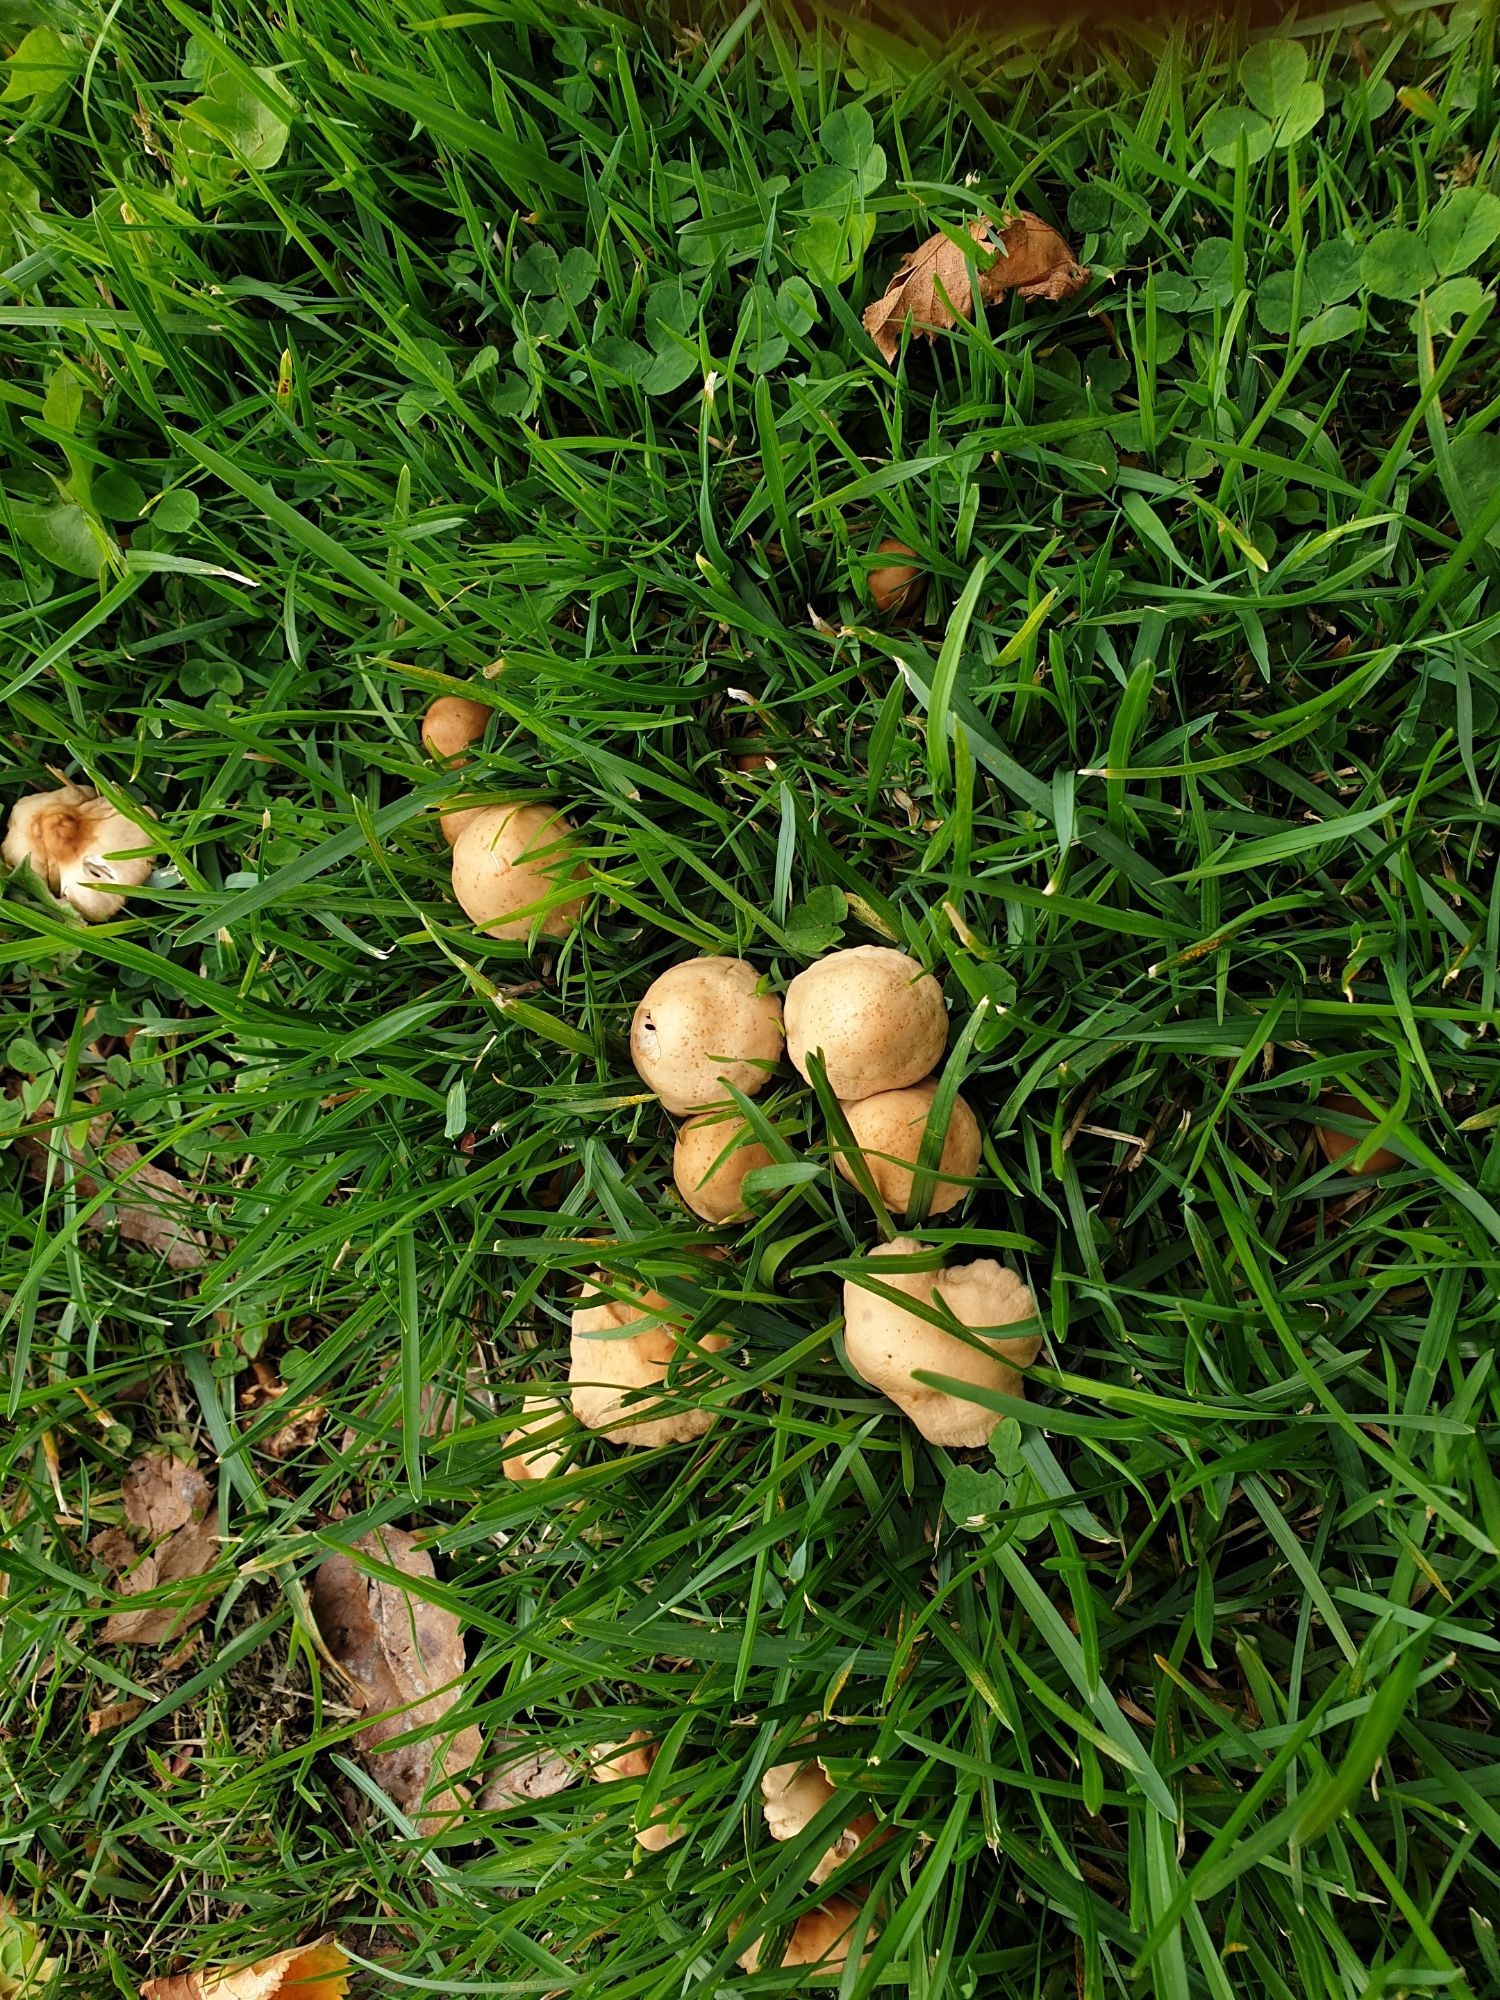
x=81, y=847
x=509, y=858
x=664, y=1831
x=821, y=1939
x=875, y=1016
x=538, y=1413
x=631, y=1759
x=888, y=1131
x=709, y=1175
x=701, y=1024
x=450, y=725
x=619, y=1347
x=793, y=1795
x=888, y=1344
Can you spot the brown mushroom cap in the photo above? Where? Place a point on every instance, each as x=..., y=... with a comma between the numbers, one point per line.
x=888, y=1130
x=631, y=1759
x=701, y=1024
x=898, y=584
x=509, y=858
x=821, y=1938
x=81, y=847
x=793, y=1795
x=450, y=725
x=887, y=1344
x=877, y=1017
x=538, y=1413
x=713, y=1190
x=1335, y=1144
x=618, y=1347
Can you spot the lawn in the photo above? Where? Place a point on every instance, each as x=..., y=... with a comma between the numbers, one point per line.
x=359, y=351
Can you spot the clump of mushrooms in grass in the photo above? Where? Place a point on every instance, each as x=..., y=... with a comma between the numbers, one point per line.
x=511, y=858
x=703, y=1025
x=85, y=849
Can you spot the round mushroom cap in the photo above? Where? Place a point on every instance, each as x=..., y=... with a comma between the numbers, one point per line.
x=509, y=858
x=451, y=724
x=708, y=1173
x=895, y=585
x=1336, y=1145
x=887, y=1344
x=888, y=1130
x=538, y=1413
x=821, y=1938
x=619, y=1347
x=448, y=728
x=703, y=1024
x=876, y=1016
x=81, y=847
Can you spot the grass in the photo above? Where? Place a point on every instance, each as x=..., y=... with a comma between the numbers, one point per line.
x=1184, y=780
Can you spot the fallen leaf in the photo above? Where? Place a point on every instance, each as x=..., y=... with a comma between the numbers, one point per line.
x=527, y=1775
x=24, y=1965
x=405, y=1658
x=169, y=1503
x=318, y=1971
x=151, y=1207
x=931, y=288
x=114, y=1715
x=302, y=1422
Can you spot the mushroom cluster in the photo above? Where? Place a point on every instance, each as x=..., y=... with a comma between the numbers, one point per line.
x=513, y=860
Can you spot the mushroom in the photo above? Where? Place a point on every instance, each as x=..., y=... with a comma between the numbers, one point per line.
x=83, y=848
x=896, y=584
x=712, y=1156
x=509, y=858
x=538, y=1413
x=820, y=1939
x=620, y=1346
x=450, y=725
x=876, y=1016
x=1337, y=1145
x=793, y=1795
x=702, y=1024
x=888, y=1131
x=887, y=1344
x=663, y=1832
x=631, y=1759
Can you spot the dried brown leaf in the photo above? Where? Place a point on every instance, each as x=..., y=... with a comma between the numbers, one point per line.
x=527, y=1775
x=931, y=287
x=114, y=1715
x=318, y=1971
x=404, y=1657
x=151, y=1207
x=170, y=1504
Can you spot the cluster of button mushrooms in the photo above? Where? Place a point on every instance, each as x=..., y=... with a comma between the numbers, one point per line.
x=877, y=1023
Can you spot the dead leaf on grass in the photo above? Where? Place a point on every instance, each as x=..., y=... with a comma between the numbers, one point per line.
x=24, y=1965
x=405, y=1659
x=931, y=288
x=170, y=1504
x=114, y=1715
x=317, y=1971
x=151, y=1207
x=301, y=1421
x=527, y=1775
